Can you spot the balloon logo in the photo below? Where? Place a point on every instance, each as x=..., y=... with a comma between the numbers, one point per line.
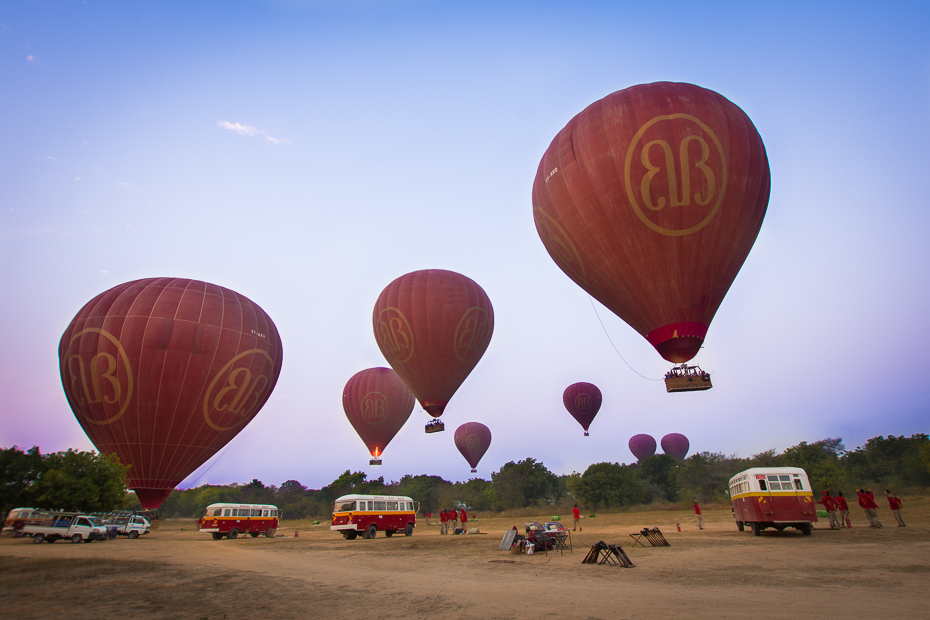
x=473, y=439
x=432, y=327
x=377, y=404
x=583, y=401
x=164, y=372
x=650, y=200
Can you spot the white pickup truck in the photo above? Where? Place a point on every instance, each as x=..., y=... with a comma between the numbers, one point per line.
x=133, y=527
x=52, y=526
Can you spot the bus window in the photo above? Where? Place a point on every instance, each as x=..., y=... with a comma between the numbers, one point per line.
x=256, y=513
x=274, y=513
x=378, y=506
x=391, y=506
x=762, y=485
x=264, y=513
x=362, y=505
x=797, y=484
x=226, y=512
x=345, y=506
x=785, y=479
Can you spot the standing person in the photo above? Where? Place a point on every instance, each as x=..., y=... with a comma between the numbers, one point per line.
x=830, y=506
x=867, y=501
x=428, y=515
x=576, y=515
x=842, y=509
x=895, y=504
x=454, y=516
x=464, y=521
x=700, y=517
x=442, y=521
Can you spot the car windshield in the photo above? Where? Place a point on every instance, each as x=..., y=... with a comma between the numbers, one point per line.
x=94, y=521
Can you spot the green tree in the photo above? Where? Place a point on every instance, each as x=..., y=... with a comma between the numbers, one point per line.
x=423, y=489
x=820, y=460
x=660, y=472
x=705, y=476
x=82, y=481
x=526, y=483
x=19, y=472
x=889, y=459
x=608, y=485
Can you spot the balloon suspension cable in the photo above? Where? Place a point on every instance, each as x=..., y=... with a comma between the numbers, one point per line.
x=591, y=299
x=204, y=473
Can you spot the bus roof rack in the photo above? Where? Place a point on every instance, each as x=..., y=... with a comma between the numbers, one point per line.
x=686, y=378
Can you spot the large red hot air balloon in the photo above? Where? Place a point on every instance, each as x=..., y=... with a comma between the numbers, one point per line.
x=583, y=400
x=163, y=372
x=432, y=327
x=377, y=404
x=642, y=446
x=676, y=445
x=650, y=200
x=473, y=439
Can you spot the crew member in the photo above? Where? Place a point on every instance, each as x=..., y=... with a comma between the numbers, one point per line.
x=830, y=506
x=842, y=509
x=867, y=501
x=464, y=521
x=700, y=517
x=895, y=504
x=576, y=515
x=442, y=521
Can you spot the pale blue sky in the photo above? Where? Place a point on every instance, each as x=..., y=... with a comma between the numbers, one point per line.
x=305, y=154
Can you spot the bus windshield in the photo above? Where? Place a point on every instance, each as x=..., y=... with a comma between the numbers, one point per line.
x=344, y=506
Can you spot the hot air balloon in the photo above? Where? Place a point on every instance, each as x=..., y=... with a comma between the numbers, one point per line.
x=163, y=372
x=650, y=200
x=583, y=400
x=676, y=445
x=473, y=439
x=432, y=327
x=642, y=446
x=377, y=404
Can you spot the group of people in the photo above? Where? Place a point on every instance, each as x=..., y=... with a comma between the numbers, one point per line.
x=838, y=510
x=450, y=516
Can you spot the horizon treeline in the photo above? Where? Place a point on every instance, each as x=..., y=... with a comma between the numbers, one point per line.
x=883, y=462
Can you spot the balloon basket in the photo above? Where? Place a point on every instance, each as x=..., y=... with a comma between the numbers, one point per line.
x=586, y=434
x=474, y=471
x=374, y=462
x=686, y=378
x=435, y=426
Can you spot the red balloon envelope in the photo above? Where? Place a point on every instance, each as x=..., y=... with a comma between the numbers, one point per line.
x=583, y=400
x=432, y=327
x=473, y=439
x=377, y=404
x=676, y=445
x=650, y=200
x=642, y=446
x=163, y=372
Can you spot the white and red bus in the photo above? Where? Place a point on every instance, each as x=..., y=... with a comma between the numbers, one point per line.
x=369, y=514
x=230, y=520
x=776, y=497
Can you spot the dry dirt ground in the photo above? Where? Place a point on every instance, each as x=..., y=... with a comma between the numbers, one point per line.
x=176, y=572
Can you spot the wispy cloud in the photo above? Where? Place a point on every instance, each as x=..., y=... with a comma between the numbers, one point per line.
x=29, y=58
x=248, y=130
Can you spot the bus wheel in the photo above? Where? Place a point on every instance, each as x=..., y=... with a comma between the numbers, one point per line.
x=805, y=529
x=408, y=531
x=76, y=538
x=350, y=535
x=740, y=526
x=389, y=533
x=253, y=534
x=270, y=532
x=217, y=536
x=133, y=535
x=756, y=530
x=38, y=538
x=233, y=533
x=372, y=531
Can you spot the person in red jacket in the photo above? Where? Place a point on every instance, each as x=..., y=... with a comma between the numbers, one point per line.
x=442, y=521
x=700, y=519
x=830, y=506
x=895, y=504
x=576, y=515
x=867, y=501
x=842, y=509
x=454, y=519
x=464, y=516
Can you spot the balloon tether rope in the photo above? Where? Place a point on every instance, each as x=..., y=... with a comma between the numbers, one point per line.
x=591, y=299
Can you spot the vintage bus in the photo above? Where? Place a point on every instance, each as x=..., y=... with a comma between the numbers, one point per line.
x=369, y=514
x=776, y=497
x=230, y=520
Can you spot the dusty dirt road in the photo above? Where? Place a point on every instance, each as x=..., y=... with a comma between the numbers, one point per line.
x=715, y=573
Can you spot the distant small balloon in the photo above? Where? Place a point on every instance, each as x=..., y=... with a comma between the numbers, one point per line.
x=583, y=401
x=642, y=446
x=676, y=445
x=473, y=439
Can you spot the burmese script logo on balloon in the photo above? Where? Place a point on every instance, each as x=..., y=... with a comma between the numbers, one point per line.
x=582, y=402
x=560, y=246
x=374, y=408
x=689, y=175
x=100, y=379
x=472, y=334
x=473, y=442
x=244, y=379
x=395, y=335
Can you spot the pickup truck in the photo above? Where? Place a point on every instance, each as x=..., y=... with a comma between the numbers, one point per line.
x=52, y=526
x=133, y=527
